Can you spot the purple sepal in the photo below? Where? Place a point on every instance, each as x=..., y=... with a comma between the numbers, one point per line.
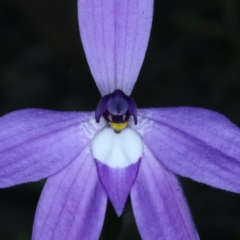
x=37, y=143
x=117, y=183
x=73, y=203
x=115, y=34
x=196, y=143
x=159, y=206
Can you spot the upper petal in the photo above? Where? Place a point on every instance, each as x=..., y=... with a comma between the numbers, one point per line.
x=115, y=35
x=196, y=143
x=159, y=207
x=35, y=143
x=73, y=203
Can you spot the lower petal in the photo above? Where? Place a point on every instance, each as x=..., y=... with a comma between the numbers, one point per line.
x=72, y=204
x=117, y=183
x=117, y=157
x=159, y=207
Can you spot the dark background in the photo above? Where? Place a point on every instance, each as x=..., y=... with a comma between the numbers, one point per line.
x=193, y=59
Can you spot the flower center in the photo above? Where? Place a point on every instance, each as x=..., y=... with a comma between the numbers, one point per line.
x=116, y=108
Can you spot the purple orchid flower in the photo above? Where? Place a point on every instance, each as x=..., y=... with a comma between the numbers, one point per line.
x=120, y=151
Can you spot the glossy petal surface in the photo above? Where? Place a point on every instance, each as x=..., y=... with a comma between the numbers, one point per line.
x=115, y=35
x=35, y=143
x=72, y=204
x=158, y=204
x=117, y=183
x=196, y=143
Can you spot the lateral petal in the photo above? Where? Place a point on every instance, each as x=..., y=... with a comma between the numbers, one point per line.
x=115, y=35
x=159, y=207
x=35, y=143
x=196, y=143
x=72, y=204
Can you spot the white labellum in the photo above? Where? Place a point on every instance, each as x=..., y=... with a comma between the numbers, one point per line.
x=117, y=150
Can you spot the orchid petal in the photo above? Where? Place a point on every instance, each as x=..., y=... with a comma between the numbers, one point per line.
x=72, y=204
x=159, y=207
x=35, y=144
x=196, y=143
x=117, y=150
x=117, y=157
x=115, y=35
x=117, y=183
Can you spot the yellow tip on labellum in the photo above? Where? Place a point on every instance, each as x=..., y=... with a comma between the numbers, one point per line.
x=118, y=127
